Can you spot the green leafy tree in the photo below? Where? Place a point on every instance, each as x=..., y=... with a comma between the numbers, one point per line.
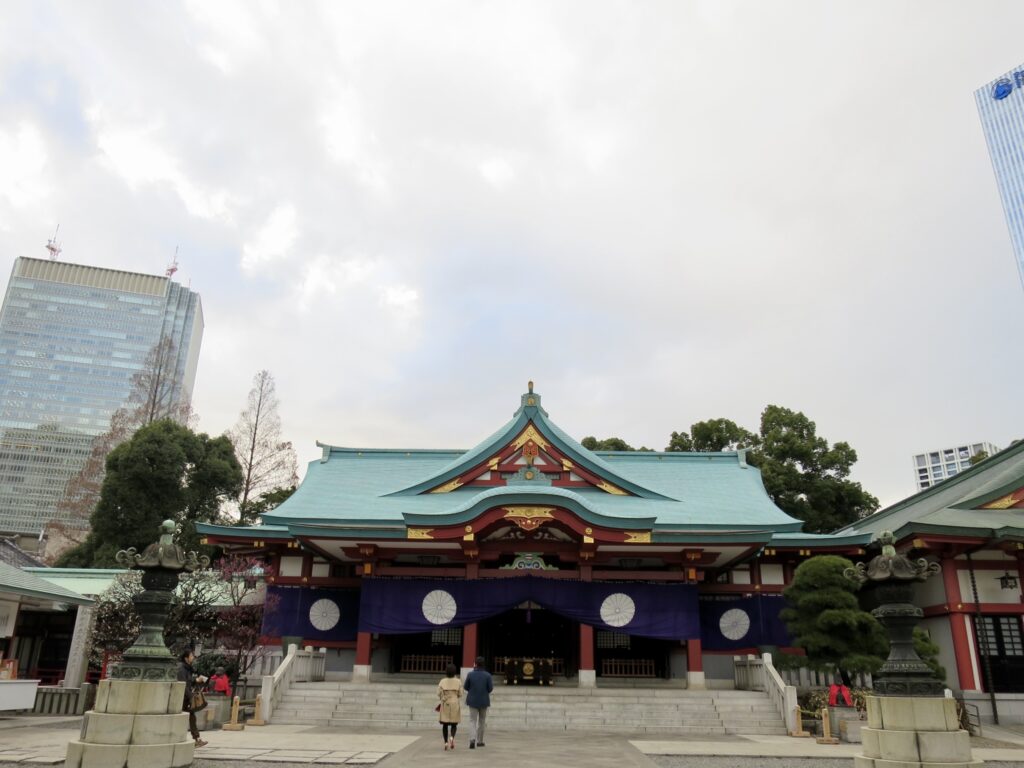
x=825, y=619
x=608, y=444
x=711, y=436
x=805, y=476
x=928, y=652
x=264, y=503
x=165, y=471
x=979, y=457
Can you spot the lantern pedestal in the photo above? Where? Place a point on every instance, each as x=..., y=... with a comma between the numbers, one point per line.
x=134, y=724
x=914, y=732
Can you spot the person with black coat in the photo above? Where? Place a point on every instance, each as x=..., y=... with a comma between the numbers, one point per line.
x=187, y=675
x=479, y=685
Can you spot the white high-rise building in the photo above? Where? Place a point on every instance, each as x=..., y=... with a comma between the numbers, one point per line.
x=935, y=466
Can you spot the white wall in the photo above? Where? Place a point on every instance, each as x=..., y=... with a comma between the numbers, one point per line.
x=938, y=628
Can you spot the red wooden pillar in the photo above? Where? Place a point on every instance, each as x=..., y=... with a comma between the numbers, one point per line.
x=958, y=626
x=363, y=649
x=469, y=634
x=694, y=664
x=588, y=675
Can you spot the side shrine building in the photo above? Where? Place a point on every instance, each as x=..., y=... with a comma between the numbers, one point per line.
x=547, y=558
x=531, y=551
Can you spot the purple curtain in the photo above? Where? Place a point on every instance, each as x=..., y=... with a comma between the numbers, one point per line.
x=396, y=606
x=728, y=624
x=312, y=614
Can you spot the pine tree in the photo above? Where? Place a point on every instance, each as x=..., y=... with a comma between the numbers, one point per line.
x=825, y=619
x=155, y=394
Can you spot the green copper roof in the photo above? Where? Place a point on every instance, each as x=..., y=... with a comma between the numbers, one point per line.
x=670, y=491
x=18, y=582
x=952, y=504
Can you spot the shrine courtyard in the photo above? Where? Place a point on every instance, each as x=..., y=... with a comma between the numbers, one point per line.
x=34, y=740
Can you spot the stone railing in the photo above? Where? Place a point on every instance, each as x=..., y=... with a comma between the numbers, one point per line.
x=759, y=674
x=53, y=700
x=297, y=667
x=813, y=678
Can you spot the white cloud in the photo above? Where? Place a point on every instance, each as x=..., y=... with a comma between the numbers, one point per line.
x=662, y=213
x=23, y=166
x=136, y=154
x=273, y=241
x=497, y=171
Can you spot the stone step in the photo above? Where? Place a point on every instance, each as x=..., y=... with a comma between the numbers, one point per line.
x=545, y=724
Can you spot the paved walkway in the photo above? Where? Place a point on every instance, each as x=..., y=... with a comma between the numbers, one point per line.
x=43, y=740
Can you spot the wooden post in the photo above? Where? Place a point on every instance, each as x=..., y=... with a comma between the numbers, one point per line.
x=826, y=729
x=799, y=719
x=257, y=716
x=234, y=725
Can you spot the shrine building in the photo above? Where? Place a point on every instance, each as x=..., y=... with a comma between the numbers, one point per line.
x=530, y=547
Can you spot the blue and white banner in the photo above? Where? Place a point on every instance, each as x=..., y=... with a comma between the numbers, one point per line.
x=315, y=615
x=742, y=622
x=395, y=606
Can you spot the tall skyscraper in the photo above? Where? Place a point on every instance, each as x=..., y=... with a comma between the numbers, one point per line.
x=1001, y=106
x=71, y=339
x=935, y=466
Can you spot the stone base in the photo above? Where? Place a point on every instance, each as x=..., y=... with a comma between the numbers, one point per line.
x=912, y=732
x=133, y=725
x=859, y=761
x=84, y=755
x=361, y=673
x=695, y=681
x=587, y=678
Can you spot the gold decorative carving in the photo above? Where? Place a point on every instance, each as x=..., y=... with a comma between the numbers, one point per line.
x=588, y=530
x=528, y=434
x=1005, y=502
x=588, y=539
x=469, y=529
x=419, y=533
x=493, y=464
x=638, y=537
x=448, y=487
x=607, y=487
x=529, y=475
x=567, y=465
x=529, y=518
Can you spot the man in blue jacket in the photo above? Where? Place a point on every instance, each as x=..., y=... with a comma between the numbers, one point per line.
x=478, y=685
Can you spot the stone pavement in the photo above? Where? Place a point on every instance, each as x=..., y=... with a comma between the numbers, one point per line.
x=43, y=740
x=36, y=740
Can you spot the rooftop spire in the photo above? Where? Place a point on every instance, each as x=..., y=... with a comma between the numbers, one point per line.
x=53, y=246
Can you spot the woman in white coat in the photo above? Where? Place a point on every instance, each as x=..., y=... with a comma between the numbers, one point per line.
x=449, y=691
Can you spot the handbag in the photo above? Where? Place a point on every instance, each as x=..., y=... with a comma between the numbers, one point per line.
x=198, y=700
x=437, y=708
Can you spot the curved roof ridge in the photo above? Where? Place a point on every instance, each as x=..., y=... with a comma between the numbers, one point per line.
x=531, y=412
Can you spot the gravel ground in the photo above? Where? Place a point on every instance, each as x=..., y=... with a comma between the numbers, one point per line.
x=693, y=761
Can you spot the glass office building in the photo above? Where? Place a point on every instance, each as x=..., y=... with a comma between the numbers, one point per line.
x=1001, y=106
x=71, y=339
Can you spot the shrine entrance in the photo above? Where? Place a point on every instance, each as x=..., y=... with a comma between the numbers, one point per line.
x=529, y=638
x=617, y=654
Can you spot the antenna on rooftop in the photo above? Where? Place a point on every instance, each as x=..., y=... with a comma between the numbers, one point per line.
x=53, y=246
x=173, y=266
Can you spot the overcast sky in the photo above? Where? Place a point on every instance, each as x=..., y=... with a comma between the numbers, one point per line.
x=660, y=212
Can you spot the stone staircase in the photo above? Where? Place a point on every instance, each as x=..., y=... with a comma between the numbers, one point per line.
x=657, y=710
